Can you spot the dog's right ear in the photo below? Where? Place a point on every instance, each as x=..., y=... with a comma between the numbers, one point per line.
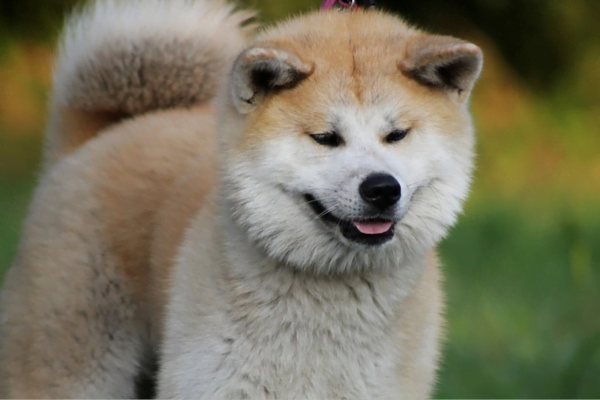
x=259, y=71
x=443, y=62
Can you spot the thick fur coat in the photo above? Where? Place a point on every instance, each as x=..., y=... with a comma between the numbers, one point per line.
x=256, y=214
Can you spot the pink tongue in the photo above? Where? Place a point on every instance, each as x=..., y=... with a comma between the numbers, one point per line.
x=372, y=228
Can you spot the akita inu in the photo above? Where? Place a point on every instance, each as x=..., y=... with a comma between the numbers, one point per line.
x=259, y=215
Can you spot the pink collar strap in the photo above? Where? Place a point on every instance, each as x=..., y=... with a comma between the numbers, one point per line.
x=327, y=4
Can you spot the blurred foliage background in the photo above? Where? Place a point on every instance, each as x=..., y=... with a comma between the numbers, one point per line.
x=523, y=264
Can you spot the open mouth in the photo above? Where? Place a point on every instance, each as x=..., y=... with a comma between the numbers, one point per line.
x=370, y=232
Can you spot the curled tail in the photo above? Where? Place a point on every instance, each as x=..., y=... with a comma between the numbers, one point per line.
x=121, y=58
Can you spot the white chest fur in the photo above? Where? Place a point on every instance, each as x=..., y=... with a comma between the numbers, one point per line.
x=258, y=330
x=304, y=340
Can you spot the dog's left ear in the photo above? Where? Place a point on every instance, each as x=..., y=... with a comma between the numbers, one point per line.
x=261, y=71
x=442, y=62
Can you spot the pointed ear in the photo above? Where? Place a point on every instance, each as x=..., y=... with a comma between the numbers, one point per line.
x=260, y=71
x=443, y=62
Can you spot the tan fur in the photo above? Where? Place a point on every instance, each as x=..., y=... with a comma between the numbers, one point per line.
x=129, y=183
x=139, y=180
x=187, y=197
x=82, y=125
x=129, y=243
x=342, y=51
x=419, y=321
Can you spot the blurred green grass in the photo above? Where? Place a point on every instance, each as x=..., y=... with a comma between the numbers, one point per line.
x=14, y=201
x=523, y=304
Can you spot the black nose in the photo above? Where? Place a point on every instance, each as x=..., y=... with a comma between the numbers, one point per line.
x=380, y=190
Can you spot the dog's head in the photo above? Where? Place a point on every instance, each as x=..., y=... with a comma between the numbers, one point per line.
x=348, y=141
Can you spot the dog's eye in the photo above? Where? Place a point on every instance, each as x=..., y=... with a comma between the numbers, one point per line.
x=396, y=135
x=330, y=139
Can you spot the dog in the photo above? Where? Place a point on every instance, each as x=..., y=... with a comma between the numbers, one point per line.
x=256, y=213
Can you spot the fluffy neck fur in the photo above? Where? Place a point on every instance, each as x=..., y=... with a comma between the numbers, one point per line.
x=252, y=326
x=365, y=301
x=335, y=335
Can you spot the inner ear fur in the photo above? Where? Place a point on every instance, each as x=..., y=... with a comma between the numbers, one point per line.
x=442, y=62
x=259, y=71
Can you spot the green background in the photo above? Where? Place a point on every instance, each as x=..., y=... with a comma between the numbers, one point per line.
x=522, y=266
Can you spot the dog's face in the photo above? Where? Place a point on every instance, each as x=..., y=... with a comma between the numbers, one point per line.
x=356, y=149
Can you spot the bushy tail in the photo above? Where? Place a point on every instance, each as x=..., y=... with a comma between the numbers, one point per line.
x=120, y=58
